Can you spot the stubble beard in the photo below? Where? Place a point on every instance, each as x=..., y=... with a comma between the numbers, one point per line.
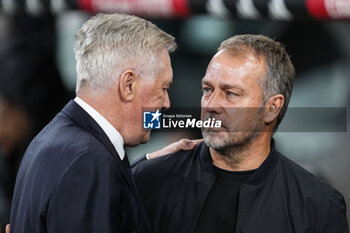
x=230, y=142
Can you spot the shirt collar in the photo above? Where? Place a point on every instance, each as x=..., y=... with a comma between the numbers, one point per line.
x=111, y=132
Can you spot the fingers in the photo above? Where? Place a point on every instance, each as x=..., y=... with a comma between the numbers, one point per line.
x=187, y=145
x=183, y=144
x=197, y=141
x=8, y=228
x=190, y=144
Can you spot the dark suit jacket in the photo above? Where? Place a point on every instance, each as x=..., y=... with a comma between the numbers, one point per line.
x=280, y=197
x=71, y=179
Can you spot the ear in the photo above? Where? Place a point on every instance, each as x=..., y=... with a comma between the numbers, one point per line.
x=273, y=108
x=127, y=85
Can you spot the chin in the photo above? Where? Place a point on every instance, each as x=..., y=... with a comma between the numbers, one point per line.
x=212, y=138
x=145, y=140
x=138, y=139
x=215, y=141
x=214, y=134
x=146, y=137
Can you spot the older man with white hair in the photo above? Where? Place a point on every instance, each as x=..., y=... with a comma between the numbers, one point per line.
x=75, y=176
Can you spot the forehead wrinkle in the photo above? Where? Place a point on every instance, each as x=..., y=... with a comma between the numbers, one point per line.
x=225, y=86
x=245, y=55
x=218, y=70
x=232, y=71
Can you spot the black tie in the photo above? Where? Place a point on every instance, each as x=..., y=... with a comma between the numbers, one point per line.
x=125, y=161
x=126, y=164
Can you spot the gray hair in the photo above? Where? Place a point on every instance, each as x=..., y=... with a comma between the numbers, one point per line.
x=279, y=73
x=106, y=43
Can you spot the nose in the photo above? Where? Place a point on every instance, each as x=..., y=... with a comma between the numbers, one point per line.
x=213, y=104
x=166, y=103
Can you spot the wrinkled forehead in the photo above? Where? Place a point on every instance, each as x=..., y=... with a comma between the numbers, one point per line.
x=235, y=67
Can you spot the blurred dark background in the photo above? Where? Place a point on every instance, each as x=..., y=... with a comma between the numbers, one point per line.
x=37, y=78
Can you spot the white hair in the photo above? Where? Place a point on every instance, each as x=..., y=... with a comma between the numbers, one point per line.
x=108, y=43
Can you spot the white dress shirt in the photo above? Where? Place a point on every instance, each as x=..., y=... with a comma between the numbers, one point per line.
x=111, y=132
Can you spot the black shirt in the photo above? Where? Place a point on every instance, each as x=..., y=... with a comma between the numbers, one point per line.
x=175, y=187
x=219, y=212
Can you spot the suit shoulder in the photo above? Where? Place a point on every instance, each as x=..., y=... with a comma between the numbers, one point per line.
x=59, y=145
x=92, y=162
x=64, y=135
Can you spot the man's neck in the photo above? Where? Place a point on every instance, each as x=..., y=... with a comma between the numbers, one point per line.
x=247, y=157
x=105, y=106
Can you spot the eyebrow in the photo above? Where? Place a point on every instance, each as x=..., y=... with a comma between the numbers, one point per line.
x=168, y=83
x=204, y=82
x=224, y=86
x=228, y=86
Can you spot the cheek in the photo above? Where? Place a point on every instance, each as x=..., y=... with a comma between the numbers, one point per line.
x=204, y=101
x=154, y=99
x=204, y=109
x=160, y=96
x=148, y=96
x=256, y=100
x=256, y=97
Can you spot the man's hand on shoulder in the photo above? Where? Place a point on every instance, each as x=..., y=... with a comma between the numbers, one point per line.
x=183, y=144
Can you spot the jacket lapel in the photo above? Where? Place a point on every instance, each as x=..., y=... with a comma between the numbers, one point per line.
x=81, y=117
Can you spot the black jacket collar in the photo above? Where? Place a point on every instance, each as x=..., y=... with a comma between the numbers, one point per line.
x=259, y=175
x=81, y=117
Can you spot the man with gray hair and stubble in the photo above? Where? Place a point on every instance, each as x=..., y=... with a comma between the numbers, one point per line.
x=236, y=180
x=75, y=176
